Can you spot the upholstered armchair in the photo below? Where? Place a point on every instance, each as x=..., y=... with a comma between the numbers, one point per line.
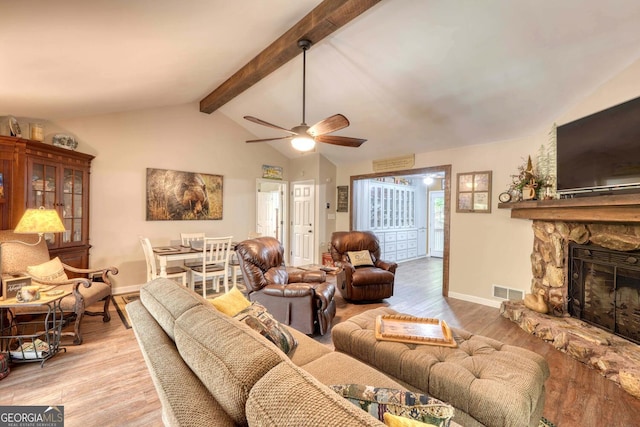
x=34, y=260
x=366, y=276
x=298, y=298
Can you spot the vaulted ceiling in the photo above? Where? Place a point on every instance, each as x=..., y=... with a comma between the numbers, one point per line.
x=411, y=75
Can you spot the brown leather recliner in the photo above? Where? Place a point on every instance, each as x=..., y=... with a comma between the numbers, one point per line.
x=362, y=283
x=298, y=298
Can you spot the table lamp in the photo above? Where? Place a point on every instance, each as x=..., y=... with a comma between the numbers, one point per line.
x=39, y=221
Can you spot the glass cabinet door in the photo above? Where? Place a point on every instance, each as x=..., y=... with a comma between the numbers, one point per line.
x=412, y=209
x=43, y=191
x=385, y=202
x=391, y=206
x=43, y=186
x=57, y=187
x=372, y=208
x=72, y=205
x=378, y=222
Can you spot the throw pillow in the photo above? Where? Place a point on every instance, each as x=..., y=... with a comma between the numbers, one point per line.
x=50, y=271
x=258, y=318
x=378, y=400
x=231, y=303
x=391, y=420
x=360, y=258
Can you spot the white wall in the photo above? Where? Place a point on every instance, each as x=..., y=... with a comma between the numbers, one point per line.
x=327, y=194
x=179, y=138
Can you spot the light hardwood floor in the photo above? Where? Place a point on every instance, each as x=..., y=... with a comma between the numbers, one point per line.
x=104, y=382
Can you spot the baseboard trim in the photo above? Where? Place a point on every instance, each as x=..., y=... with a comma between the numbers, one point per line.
x=477, y=300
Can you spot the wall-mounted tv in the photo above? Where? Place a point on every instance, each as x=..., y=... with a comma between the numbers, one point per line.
x=600, y=154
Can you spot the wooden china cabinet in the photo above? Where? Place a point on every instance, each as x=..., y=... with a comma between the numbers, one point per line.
x=37, y=174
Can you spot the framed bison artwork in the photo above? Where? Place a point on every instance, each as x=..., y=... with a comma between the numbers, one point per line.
x=176, y=195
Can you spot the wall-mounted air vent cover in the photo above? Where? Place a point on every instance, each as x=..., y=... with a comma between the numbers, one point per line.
x=503, y=292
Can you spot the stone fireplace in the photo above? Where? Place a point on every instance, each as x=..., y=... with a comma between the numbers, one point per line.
x=604, y=289
x=596, y=245
x=585, y=251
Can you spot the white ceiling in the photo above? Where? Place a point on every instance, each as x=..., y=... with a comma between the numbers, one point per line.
x=411, y=75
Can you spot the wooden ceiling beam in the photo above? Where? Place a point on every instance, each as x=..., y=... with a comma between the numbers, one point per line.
x=323, y=20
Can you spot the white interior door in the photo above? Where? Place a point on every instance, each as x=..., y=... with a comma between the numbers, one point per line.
x=271, y=215
x=436, y=223
x=267, y=222
x=303, y=232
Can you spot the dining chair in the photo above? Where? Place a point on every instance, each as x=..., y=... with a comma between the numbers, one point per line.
x=185, y=240
x=214, y=264
x=173, y=272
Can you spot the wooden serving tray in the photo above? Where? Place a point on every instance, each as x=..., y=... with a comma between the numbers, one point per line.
x=414, y=330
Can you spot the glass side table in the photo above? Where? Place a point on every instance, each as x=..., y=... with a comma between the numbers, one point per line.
x=33, y=340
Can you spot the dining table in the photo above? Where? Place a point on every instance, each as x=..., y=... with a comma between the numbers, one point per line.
x=177, y=252
x=166, y=254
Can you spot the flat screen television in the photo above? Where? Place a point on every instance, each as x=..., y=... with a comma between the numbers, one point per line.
x=600, y=153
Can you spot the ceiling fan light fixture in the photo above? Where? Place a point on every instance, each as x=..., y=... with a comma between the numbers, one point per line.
x=304, y=136
x=303, y=143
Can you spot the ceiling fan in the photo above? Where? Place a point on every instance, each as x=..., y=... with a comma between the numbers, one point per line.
x=304, y=137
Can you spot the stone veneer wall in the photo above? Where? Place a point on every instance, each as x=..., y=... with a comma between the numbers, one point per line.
x=551, y=248
x=615, y=358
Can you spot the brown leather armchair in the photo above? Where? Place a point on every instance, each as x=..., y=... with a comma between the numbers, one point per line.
x=298, y=298
x=363, y=283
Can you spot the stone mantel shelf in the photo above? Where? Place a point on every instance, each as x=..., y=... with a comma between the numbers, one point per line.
x=621, y=208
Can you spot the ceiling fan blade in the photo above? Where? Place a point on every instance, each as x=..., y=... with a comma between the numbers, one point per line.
x=267, y=124
x=328, y=125
x=270, y=139
x=343, y=141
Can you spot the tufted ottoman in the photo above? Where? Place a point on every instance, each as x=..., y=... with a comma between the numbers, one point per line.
x=489, y=383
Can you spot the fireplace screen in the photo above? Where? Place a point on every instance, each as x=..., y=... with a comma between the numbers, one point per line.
x=604, y=289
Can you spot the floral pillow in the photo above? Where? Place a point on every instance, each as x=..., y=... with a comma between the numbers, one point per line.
x=378, y=400
x=258, y=318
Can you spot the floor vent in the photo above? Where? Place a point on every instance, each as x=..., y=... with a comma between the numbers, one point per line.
x=507, y=293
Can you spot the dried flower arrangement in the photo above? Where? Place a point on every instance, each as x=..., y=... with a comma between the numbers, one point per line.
x=537, y=183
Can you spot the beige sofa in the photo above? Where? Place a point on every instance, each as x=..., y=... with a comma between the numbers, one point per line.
x=210, y=369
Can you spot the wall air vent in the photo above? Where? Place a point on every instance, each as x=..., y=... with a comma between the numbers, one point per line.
x=503, y=292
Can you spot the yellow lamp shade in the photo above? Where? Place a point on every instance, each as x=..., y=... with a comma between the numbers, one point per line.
x=39, y=221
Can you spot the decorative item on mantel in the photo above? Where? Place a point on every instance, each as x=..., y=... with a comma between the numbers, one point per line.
x=535, y=183
x=528, y=184
x=64, y=141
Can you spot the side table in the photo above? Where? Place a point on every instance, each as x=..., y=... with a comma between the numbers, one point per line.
x=34, y=340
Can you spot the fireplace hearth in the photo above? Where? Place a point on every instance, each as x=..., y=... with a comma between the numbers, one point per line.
x=604, y=289
x=598, y=225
